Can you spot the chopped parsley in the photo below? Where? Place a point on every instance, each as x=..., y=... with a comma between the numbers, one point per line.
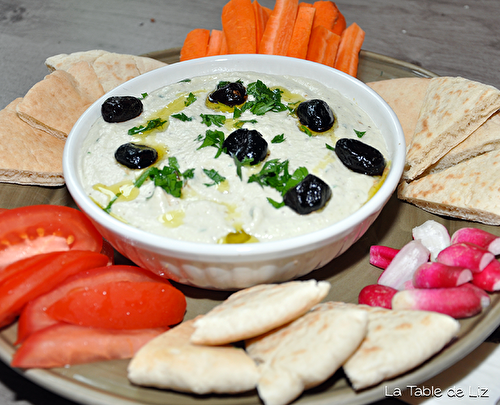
x=144, y=95
x=240, y=163
x=240, y=123
x=212, y=138
x=170, y=178
x=183, y=117
x=191, y=98
x=209, y=119
x=275, y=174
x=214, y=176
x=329, y=147
x=360, y=133
x=265, y=99
x=306, y=130
x=278, y=138
x=151, y=124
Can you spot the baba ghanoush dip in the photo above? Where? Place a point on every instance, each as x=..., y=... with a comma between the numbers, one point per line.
x=232, y=158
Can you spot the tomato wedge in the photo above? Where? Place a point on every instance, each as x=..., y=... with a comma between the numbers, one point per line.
x=122, y=305
x=34, y=316
x=35, y=229
x=53, y=268
x=61, y=344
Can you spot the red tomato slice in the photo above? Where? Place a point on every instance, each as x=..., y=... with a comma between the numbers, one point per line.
x=122, y=305
x=34, y=316
x=62, y=344
x=35, y=229
x=25, y=285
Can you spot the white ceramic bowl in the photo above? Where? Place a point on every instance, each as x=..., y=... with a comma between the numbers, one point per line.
x=235, y=266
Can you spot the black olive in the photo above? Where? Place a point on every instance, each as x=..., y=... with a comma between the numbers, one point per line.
x=244, y=143
x=229, y=94
x=121, y=108
x=309, y=195
x=316, y=115
x=360, y=157
x=136, y=156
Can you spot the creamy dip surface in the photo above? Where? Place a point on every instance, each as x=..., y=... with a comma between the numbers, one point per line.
x=208, y=212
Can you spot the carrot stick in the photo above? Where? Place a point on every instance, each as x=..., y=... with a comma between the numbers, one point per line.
x=326, y=14
x=340, y=24
x=318, y=44
x=223, y=45
x=301, y=32
x=238, y=22
x=279, y=28
x=214, y=43
x=304, y=4
x=195, y=44
x=261, y=17
x=332, y=46
x=348, y=54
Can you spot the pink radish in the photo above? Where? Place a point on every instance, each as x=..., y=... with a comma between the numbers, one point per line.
x=489, y=278
x=376, y=295
x=483, y=295
x=404, y=264
x=433, y=235
x=468, y=255
x=381, y=256
x=478, y=237
x=458, y=302
x=439, y=275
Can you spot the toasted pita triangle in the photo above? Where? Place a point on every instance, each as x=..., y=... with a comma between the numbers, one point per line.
x=469, y=190
x=64, y=61
x=306, y=352
x=54, y=104
x=171, y=361
x=257, y=310
x=87, y=79
x=405, y=96
x=452, y=110
x=484, y=139
x=396, y=342
x=28, y=155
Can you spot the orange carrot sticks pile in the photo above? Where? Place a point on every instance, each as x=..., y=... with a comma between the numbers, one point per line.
x=313, y=31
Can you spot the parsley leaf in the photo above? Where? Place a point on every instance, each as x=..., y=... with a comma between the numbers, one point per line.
x=306, y=130
x=265, y=99
x=144, y=95
x=191, y=98
x=213, y=138
x=209, y=119
x=169, y=178
x=275, y=174
x=240, y=123
x=278, y=138
x=151, y=124
x=329, y=147
x=183, y=117
x=240, y=163
x=360, y=133
x=214, y=176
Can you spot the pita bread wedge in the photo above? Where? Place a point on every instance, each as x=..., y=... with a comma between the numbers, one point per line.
x=54, y=104
x=170, y=361
x=469, y=190
x=484, y=139
x=87, y=79
x=452, y=110
x=256, y=310
x=405, y=96
x=396, y=342
x=306, y=352
x=27, y=155
x=64, y=61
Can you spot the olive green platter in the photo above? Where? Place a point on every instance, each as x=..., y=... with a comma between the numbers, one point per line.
x=105, y=383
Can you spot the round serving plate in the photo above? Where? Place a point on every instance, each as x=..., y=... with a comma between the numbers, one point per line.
x=106, y=382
